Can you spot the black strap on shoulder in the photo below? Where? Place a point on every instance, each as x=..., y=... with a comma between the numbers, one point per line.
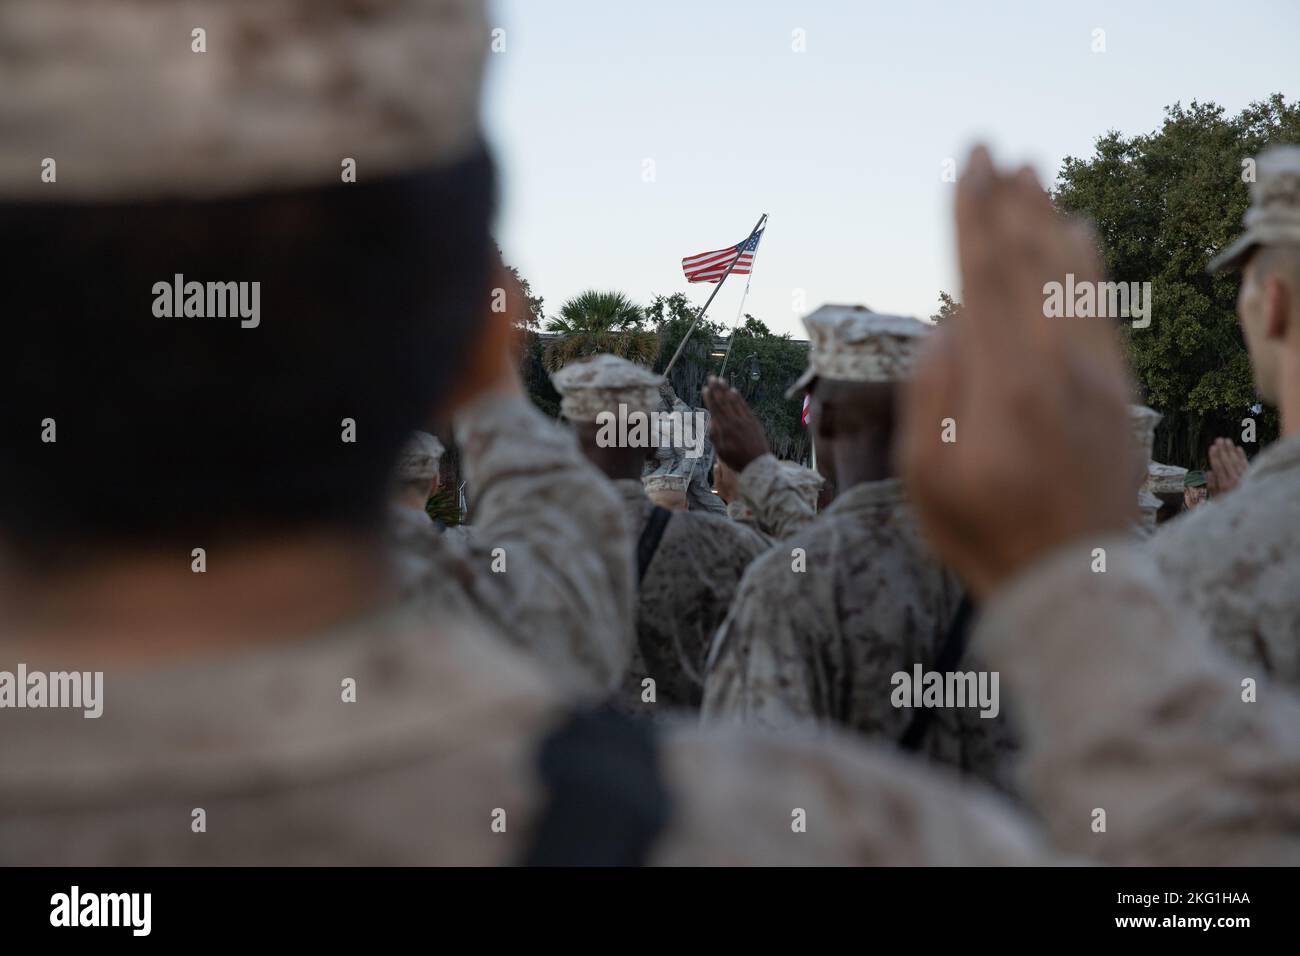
x=651, y=535
x=607, y=800
x=950, y=654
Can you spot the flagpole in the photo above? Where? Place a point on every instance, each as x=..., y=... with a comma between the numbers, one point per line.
x=735, y=325
x=699, y=315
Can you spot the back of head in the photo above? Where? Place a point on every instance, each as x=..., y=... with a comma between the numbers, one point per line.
x=247, y=272
x=610, y=400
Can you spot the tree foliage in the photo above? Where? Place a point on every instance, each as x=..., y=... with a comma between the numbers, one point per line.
x=594, y=322
x=948, y=307
x=672, y=316
x=779, y=361
x=536, y=376
x=534, y=315
x=1163, y=203
x=444, y=505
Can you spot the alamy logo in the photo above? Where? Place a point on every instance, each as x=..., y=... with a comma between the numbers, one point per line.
x=214, y=300
x=923, y=688
x=72, y=689
x=75, y=908
x=1102, y=300
x=638, y=429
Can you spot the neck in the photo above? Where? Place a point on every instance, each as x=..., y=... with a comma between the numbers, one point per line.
x=148, y=608
x=1289, y=400
x=616, y=463
x=860, y=462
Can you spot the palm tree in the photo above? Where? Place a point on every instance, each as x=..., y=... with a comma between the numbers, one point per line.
x=595, y=322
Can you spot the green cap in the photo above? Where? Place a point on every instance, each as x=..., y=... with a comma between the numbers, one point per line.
x=1194, y=479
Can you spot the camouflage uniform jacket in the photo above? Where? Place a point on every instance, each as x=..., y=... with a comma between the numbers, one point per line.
x=1128, y=709
x=777, y=508
x=824, y=643
x=669, y=460
x=435, y=763
x=548, y=565
x=1232, y=561
x=743, y=514
x=683, y=598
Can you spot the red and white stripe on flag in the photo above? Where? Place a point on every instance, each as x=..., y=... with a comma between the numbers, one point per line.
x=712, y=266
x=807, y=402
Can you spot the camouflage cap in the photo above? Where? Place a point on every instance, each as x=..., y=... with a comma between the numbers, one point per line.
x=602, y=383
x=1273, y=218
x=665, y=482
x=132, y=103
x=1148, y=505
x=1164, y=479
x=1143, y=421
x=419, y=458
x=853, y=344
x=1194, y=479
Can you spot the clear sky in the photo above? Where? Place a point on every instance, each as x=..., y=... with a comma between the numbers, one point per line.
x=842, y=145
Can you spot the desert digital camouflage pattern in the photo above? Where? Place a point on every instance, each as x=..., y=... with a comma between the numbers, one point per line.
x=413, y=546
x=1231, y=561
x=683, y=598
x=1273, y=218
x=1143, y=421
x=1127, y=707
x=742, y=513
x=440, y=745
x=776, y=505
x=852, y=343
x=822, y=644
x=548, y=565
x=395, y=84
x=669, y=460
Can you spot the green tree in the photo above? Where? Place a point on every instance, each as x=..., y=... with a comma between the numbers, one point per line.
x=530, y=349
x=779, y=361
x=535, y=316
x=1163, y=203
x=671, y=316
x=948, y=307
x=536, y=376
x=444, y=505
x=594, y=322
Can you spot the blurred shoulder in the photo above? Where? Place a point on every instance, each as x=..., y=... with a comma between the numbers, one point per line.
x=719, y=529
x=805, y=797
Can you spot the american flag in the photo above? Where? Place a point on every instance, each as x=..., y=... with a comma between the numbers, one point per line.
x=807, y=401
x=712, y=266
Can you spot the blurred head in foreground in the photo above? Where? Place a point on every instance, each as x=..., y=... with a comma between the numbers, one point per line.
x=248, y=270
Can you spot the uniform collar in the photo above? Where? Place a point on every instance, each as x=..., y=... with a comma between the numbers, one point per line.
x=867, y=496
x=737, y=510
x=1281, y=456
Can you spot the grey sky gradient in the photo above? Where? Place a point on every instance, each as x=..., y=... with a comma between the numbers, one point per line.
x=842, y=145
